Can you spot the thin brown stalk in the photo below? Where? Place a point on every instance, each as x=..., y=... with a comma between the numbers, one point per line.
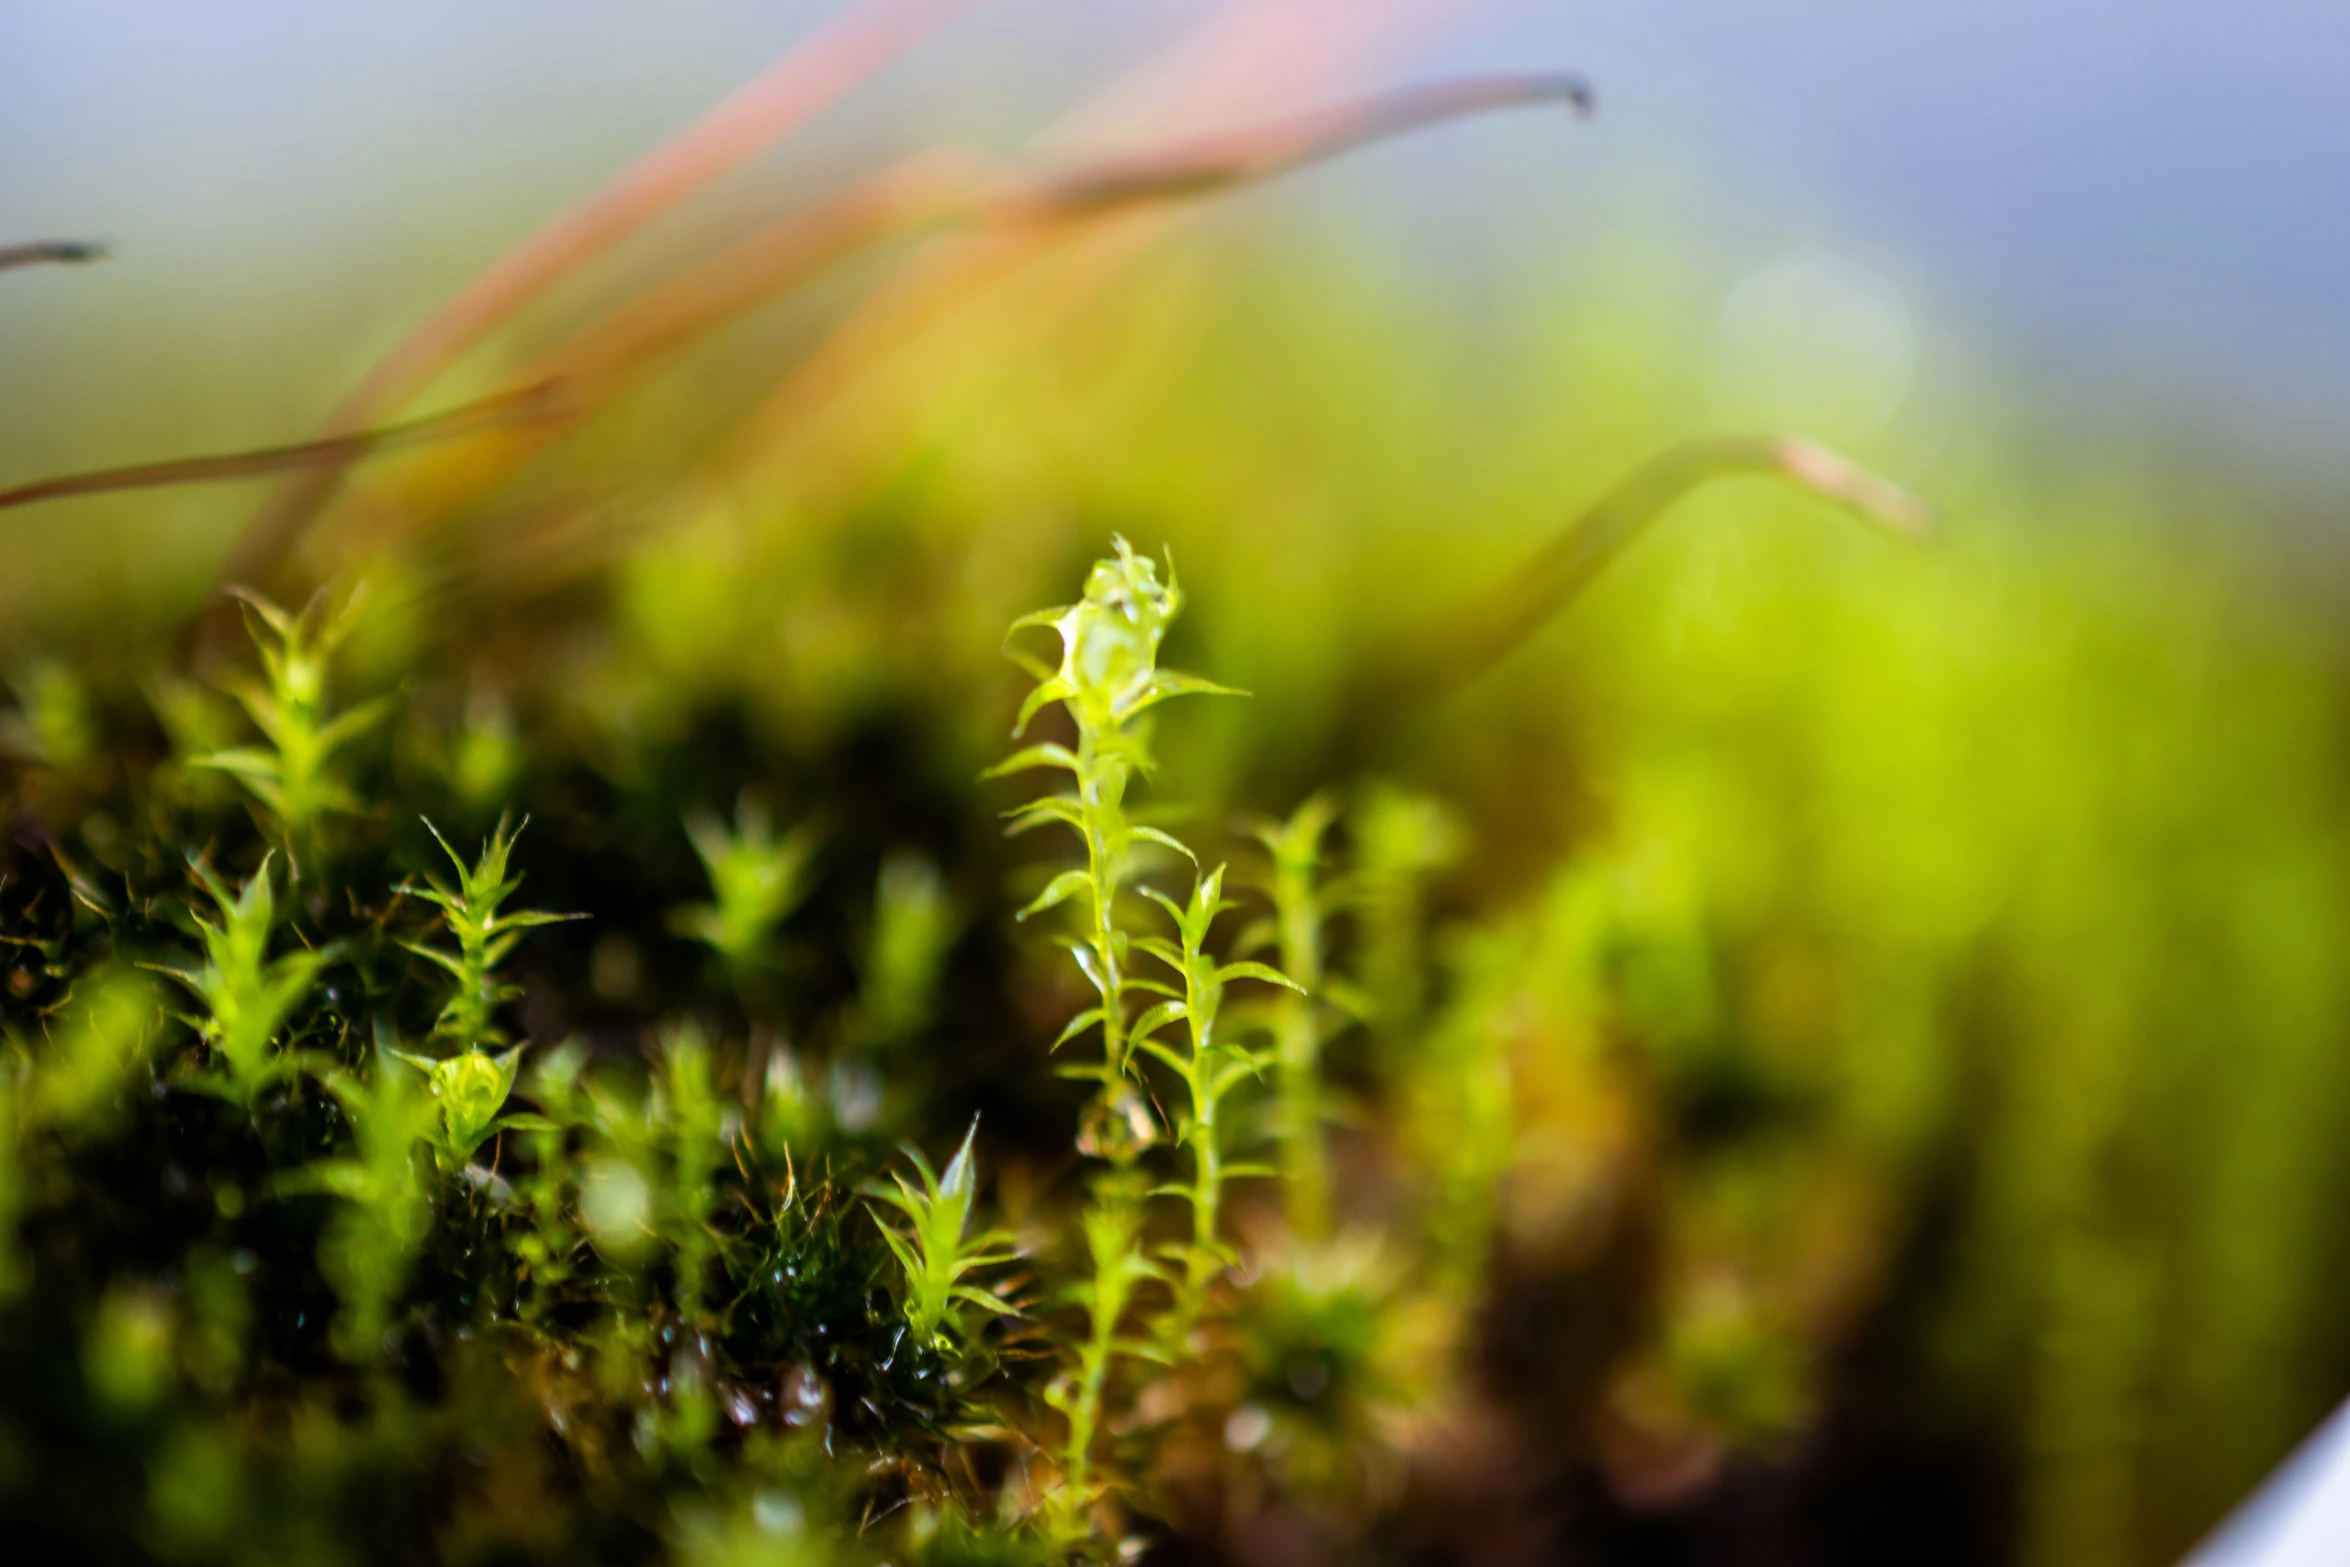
x=1217, y=163
x=506, y=408
x=1028, y=280
x=1026, y=223
x=37, y=252
x=923, y=193
x=809, y=78
x=910, y=198
x=939, y=189
x=602, y=361
x=1462, y=644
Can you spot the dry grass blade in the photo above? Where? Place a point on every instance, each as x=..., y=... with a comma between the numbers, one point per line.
x=506, y=408
x=1475, y=636
x=601, y=362
x=1004, y=288
x=904, y=200
x=1216, y=163
x=809, y=78
x=924, y=193
x=936, y=190
x=42, y=251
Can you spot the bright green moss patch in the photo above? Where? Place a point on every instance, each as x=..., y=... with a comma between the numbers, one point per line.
x=440, y=1224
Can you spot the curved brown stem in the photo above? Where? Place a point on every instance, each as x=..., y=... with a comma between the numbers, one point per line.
x=36, y=252
x=922, y=194
x=936, y=190
x=532, y=402
x=911, y=198
x=1212, y=164
x=806, y=80
x=1458, y=646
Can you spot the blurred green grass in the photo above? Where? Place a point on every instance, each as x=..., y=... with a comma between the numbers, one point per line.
x=1979, y=908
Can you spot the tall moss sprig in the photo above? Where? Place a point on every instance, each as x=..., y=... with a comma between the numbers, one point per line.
x=550, y=1247
x=1300, y=906
x=1113, y=1242
x=94, y=1053
x=756, y=880
x=294, y=776
x=1462, y=1093
x=1401, y=840
x=913, y=927
x=471, y=1088
x=1210, y=1066
x=247, y=994
x=693, y=1119
x=936, y=1250
x=386, y=1206
x=485, y=936
x=1108, y=678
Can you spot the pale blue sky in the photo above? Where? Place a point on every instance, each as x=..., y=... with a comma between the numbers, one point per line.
x=2155, y=191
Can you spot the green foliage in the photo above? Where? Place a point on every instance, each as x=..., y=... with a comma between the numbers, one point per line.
x=199, y=723
x=547, y=1245
x=1401, y=839
x=692, y=1139
x=649, y=1190
x=1112, y=1225
x=54, y=724
x=486, y=757
x=756, y=877
x=1301, y=904
x=913, y=926
x=470, y=1089
x=771, y=1528
x=294, y=776
x=384, y=1201
x=952, y=1540
x=474, y=911
x=1810, y=960
x=1108, y=678
x=95, y=1054
x=1210, y=1066
x=936, y=1250
x=71, y=1083
x=1461, y=1119
x=1329, y=1363
x=247, y=995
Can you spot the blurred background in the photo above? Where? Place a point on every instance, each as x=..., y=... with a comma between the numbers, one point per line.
x=1974, y=915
